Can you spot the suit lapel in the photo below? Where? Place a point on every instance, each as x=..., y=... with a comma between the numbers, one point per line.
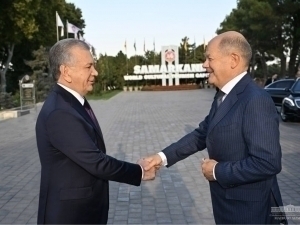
x=223, y=109
x=228, y=103
x=78, y=107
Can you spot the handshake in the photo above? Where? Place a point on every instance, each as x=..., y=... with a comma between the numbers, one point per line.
x=153, y=163
x=150, y=165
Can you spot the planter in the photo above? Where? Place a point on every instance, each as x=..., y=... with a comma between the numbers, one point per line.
x=125, y=88
x=136, y=88
x=130, y=88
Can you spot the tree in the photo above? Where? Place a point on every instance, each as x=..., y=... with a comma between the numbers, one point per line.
x=152, y=58
x=271, y=27
x=45, y=35
x=252, y=18
x=39, y=66
x=291, y=9
x=17, y=22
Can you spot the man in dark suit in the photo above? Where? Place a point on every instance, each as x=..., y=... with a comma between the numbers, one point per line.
x=241, y=134
x=75, y=167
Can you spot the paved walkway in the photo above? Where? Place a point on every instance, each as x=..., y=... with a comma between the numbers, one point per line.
x=135, y=124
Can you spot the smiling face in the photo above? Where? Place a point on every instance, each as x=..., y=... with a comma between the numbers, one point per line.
x=227, y=56
x=80, y=74
x=217, y=64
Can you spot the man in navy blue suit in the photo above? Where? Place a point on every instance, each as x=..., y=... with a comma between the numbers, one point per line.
x=241, y=135
x=75, y=167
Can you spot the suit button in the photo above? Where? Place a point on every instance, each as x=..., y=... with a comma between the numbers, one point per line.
x=231, y=185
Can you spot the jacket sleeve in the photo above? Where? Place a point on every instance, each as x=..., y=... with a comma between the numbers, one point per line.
x=188, y=145
x=70, y=134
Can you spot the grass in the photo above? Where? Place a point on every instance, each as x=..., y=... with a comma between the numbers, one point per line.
x=104, y=96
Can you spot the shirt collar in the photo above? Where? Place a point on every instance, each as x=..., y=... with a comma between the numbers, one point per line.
x=230, y=85
x=76, y=95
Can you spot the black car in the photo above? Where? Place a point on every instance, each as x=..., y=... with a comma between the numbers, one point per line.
x=290, y=108
x=279, y=90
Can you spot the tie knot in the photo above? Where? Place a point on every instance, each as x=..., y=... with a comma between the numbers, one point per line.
x=86, y=104
x=220, y=94
x=219, y=97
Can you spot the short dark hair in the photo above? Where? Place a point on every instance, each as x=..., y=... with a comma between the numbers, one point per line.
x=60, y=54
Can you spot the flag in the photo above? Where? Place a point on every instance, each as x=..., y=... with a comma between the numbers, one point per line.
x=125, y=46
x=204, y=43
x=195, y=47
x=59, y=23
x=153, y=45
x=185, y=45
x=81, y=38
x=134, y=46
x=144, y=46
x=72, y=29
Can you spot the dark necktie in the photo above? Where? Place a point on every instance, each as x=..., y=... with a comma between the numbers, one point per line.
x=219, y=97
x=89, y=110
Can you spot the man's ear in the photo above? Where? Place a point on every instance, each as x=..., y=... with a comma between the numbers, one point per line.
x=65, y=73
x=235, y=60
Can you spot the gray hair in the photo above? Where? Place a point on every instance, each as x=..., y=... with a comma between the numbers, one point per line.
x=239, y=43
x=60, y=53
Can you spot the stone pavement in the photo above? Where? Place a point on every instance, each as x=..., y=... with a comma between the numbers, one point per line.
x=135, y=124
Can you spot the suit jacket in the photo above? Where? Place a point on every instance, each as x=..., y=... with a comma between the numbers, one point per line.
x=75, y=168
x=243, y=136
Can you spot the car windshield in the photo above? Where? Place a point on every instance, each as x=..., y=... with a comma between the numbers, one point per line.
x=296, y=87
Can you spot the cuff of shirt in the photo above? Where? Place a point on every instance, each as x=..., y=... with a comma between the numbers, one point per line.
x=142, y=172
x=214, y=171
x=163, y=158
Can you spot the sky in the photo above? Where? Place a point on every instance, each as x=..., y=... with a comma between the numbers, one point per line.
x=109, y=23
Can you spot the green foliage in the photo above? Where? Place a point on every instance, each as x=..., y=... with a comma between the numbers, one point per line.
x=272, y=27
x=190, y=53
x=18, y=20
x=7, y=101
x=111, y=71
x=39, y=65
x=24, y=26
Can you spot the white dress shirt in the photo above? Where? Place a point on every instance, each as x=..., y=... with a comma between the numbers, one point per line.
x=226, y=89
x=76, y=95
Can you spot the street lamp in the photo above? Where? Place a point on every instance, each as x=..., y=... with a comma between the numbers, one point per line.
x=25, y=78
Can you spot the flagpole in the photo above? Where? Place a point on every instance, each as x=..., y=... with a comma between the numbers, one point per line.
x=144, y=52
x=135, y=51
x=67, y=29
x=127, y=62
x=154, y=57
x=126, y=56
x=56, y=25
x=154, y=51
x=194, y=49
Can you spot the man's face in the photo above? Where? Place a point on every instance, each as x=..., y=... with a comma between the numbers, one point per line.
x=216, y=64
x=82, y=73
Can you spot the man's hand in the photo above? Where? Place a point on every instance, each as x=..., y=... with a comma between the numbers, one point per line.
x=207, y=168
x=149, y=174
x=154, y=161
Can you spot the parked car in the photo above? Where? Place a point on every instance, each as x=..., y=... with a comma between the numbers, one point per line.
x=286, y=93
x=279, y=90
x=290, y=109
